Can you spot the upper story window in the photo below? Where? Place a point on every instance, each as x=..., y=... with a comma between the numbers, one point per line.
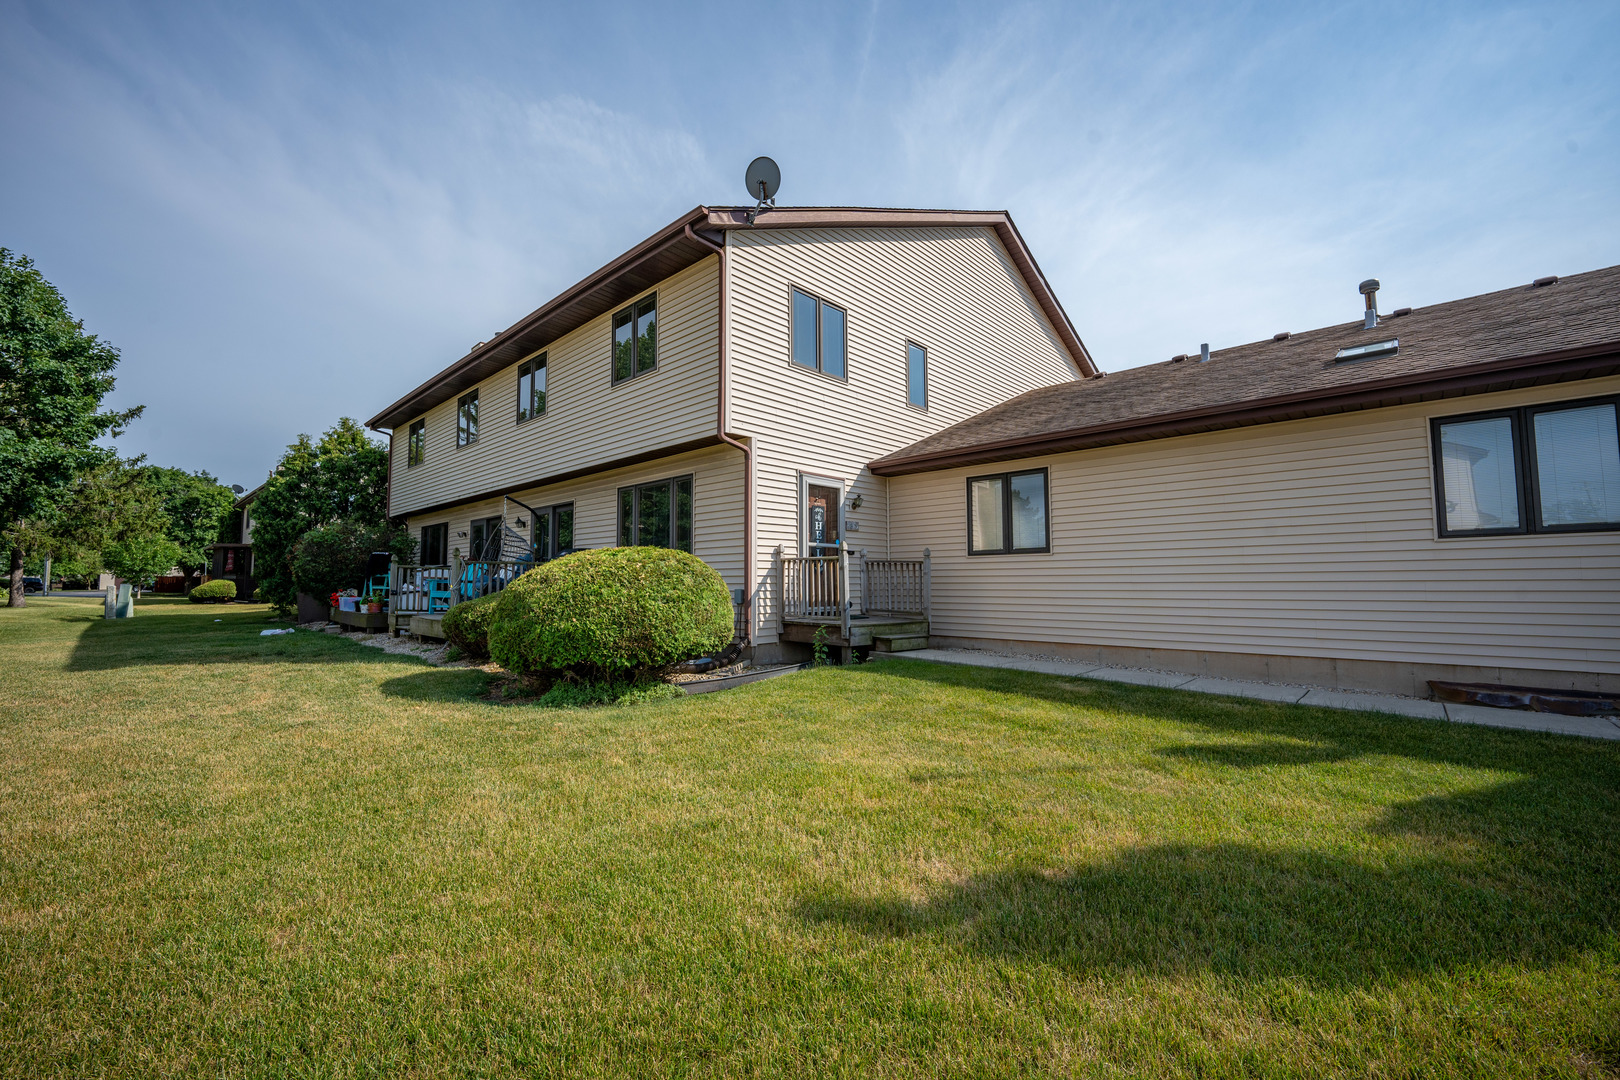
x=635, y=339
x=1541, y=468
x=1007, y=513
x=658, y=514
x=416, y=443
x=467, y=419
x=819, y=335
x=917, y=375
x=531, y=388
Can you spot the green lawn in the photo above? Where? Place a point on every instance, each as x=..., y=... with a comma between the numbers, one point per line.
x=227, y=855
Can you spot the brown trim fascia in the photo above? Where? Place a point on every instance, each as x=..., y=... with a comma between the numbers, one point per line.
x=653, y=245
x=727, y=218
x=1592, y=361
x=558, y=478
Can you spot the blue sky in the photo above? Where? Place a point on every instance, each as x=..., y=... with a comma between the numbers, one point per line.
x=282, y=214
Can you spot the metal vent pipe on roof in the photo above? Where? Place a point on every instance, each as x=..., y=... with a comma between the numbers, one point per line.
x=1203, y=353
x=1369, y=289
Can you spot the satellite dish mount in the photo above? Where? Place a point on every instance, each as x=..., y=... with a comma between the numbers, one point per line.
x=763, y=179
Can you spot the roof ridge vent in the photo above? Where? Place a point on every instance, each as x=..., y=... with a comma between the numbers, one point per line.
x=1283, y=336
x=1543, y=282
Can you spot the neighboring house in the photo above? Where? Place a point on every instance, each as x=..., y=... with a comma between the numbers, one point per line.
x=233, y=558
x=721, y=387
x=1437, y=495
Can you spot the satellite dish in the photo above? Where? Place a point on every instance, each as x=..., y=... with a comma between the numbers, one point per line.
x=763, y=179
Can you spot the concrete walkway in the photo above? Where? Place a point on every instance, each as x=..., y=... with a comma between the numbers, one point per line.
x=1590, y=726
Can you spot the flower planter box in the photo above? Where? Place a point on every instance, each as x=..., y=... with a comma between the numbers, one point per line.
x=374, y=621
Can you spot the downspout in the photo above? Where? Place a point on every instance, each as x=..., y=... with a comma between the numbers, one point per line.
x=747, y=451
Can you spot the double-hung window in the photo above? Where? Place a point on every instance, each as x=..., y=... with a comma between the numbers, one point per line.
x=635, y=339
x=657, y=514
x=416, y=443
x=531, y=388
x=1007, y=513
x=819, y=335
x=916, y=375
x=467, y=419
x=1536, y=469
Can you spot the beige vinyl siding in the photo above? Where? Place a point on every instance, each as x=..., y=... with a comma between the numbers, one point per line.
x=716, y=507
x=952, y=290
x=1313, y=538
x=588, y=420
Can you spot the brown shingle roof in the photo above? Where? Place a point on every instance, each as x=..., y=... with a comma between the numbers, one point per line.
x=1516, y=337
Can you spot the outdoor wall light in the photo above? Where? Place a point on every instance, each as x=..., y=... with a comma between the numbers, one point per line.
x=461, y=536
x=522, y=524
x=855, y=503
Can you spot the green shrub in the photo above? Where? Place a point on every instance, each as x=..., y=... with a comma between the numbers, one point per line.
x=217, y=591
x=573, y=695
x=610, y=616
x=333, y=557
x=466, y=626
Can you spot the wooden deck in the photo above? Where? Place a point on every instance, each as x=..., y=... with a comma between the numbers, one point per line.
x=880, y=632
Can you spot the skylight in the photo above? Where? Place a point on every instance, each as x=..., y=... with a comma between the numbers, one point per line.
x=1364, y=352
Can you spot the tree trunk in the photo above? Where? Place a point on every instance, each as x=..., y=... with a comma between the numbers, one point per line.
x=17, y=598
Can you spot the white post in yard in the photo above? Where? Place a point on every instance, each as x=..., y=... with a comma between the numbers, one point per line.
x=455, y=579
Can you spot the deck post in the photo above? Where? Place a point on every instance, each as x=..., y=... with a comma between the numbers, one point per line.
x=866, y=599
x=455, y=579
x=928, y=586
x=781, y=591
x=843, y=587
x=393, y=599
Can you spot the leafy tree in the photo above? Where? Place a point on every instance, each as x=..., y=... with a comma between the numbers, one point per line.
x=53, y=377
x=197, y=507
x=333, y=557
x=342, y=477
x=139, y=559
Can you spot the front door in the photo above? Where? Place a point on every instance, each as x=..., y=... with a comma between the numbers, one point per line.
x=823, y=502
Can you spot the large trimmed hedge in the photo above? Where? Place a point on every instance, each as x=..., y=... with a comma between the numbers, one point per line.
x=218, y=591
x=466, y=626
x=609, y=615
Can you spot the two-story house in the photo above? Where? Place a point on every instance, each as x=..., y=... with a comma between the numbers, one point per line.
x=885, y=414
x=721, y=387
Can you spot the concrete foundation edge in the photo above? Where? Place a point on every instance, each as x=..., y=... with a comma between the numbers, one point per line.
x=1409, y=679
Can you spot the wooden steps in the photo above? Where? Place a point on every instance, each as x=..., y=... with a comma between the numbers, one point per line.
x=862, y=632
x=900, y=644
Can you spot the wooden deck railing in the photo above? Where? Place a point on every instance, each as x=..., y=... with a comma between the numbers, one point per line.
x=432, y=590
x=819, y=587
x=418, y=590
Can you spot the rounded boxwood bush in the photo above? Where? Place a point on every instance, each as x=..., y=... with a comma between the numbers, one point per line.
x=218, y=591
x=466, y=626
x=611, y=614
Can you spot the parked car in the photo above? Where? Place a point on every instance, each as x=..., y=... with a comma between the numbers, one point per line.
x=33, y=584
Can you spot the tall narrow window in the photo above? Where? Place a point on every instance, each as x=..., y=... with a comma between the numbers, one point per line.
x=416, y=443
x=658, y=514
x=820, y=335
x=1007, y=513
x=435, y=543
x=531, y=388
x=553, y=531
x=467, y=419
x=635, y=339
x=1538, y=469
x=917, y=375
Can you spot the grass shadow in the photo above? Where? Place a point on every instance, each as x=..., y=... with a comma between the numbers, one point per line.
x=185, y=633
x=464, y=685
x=1521, y=871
